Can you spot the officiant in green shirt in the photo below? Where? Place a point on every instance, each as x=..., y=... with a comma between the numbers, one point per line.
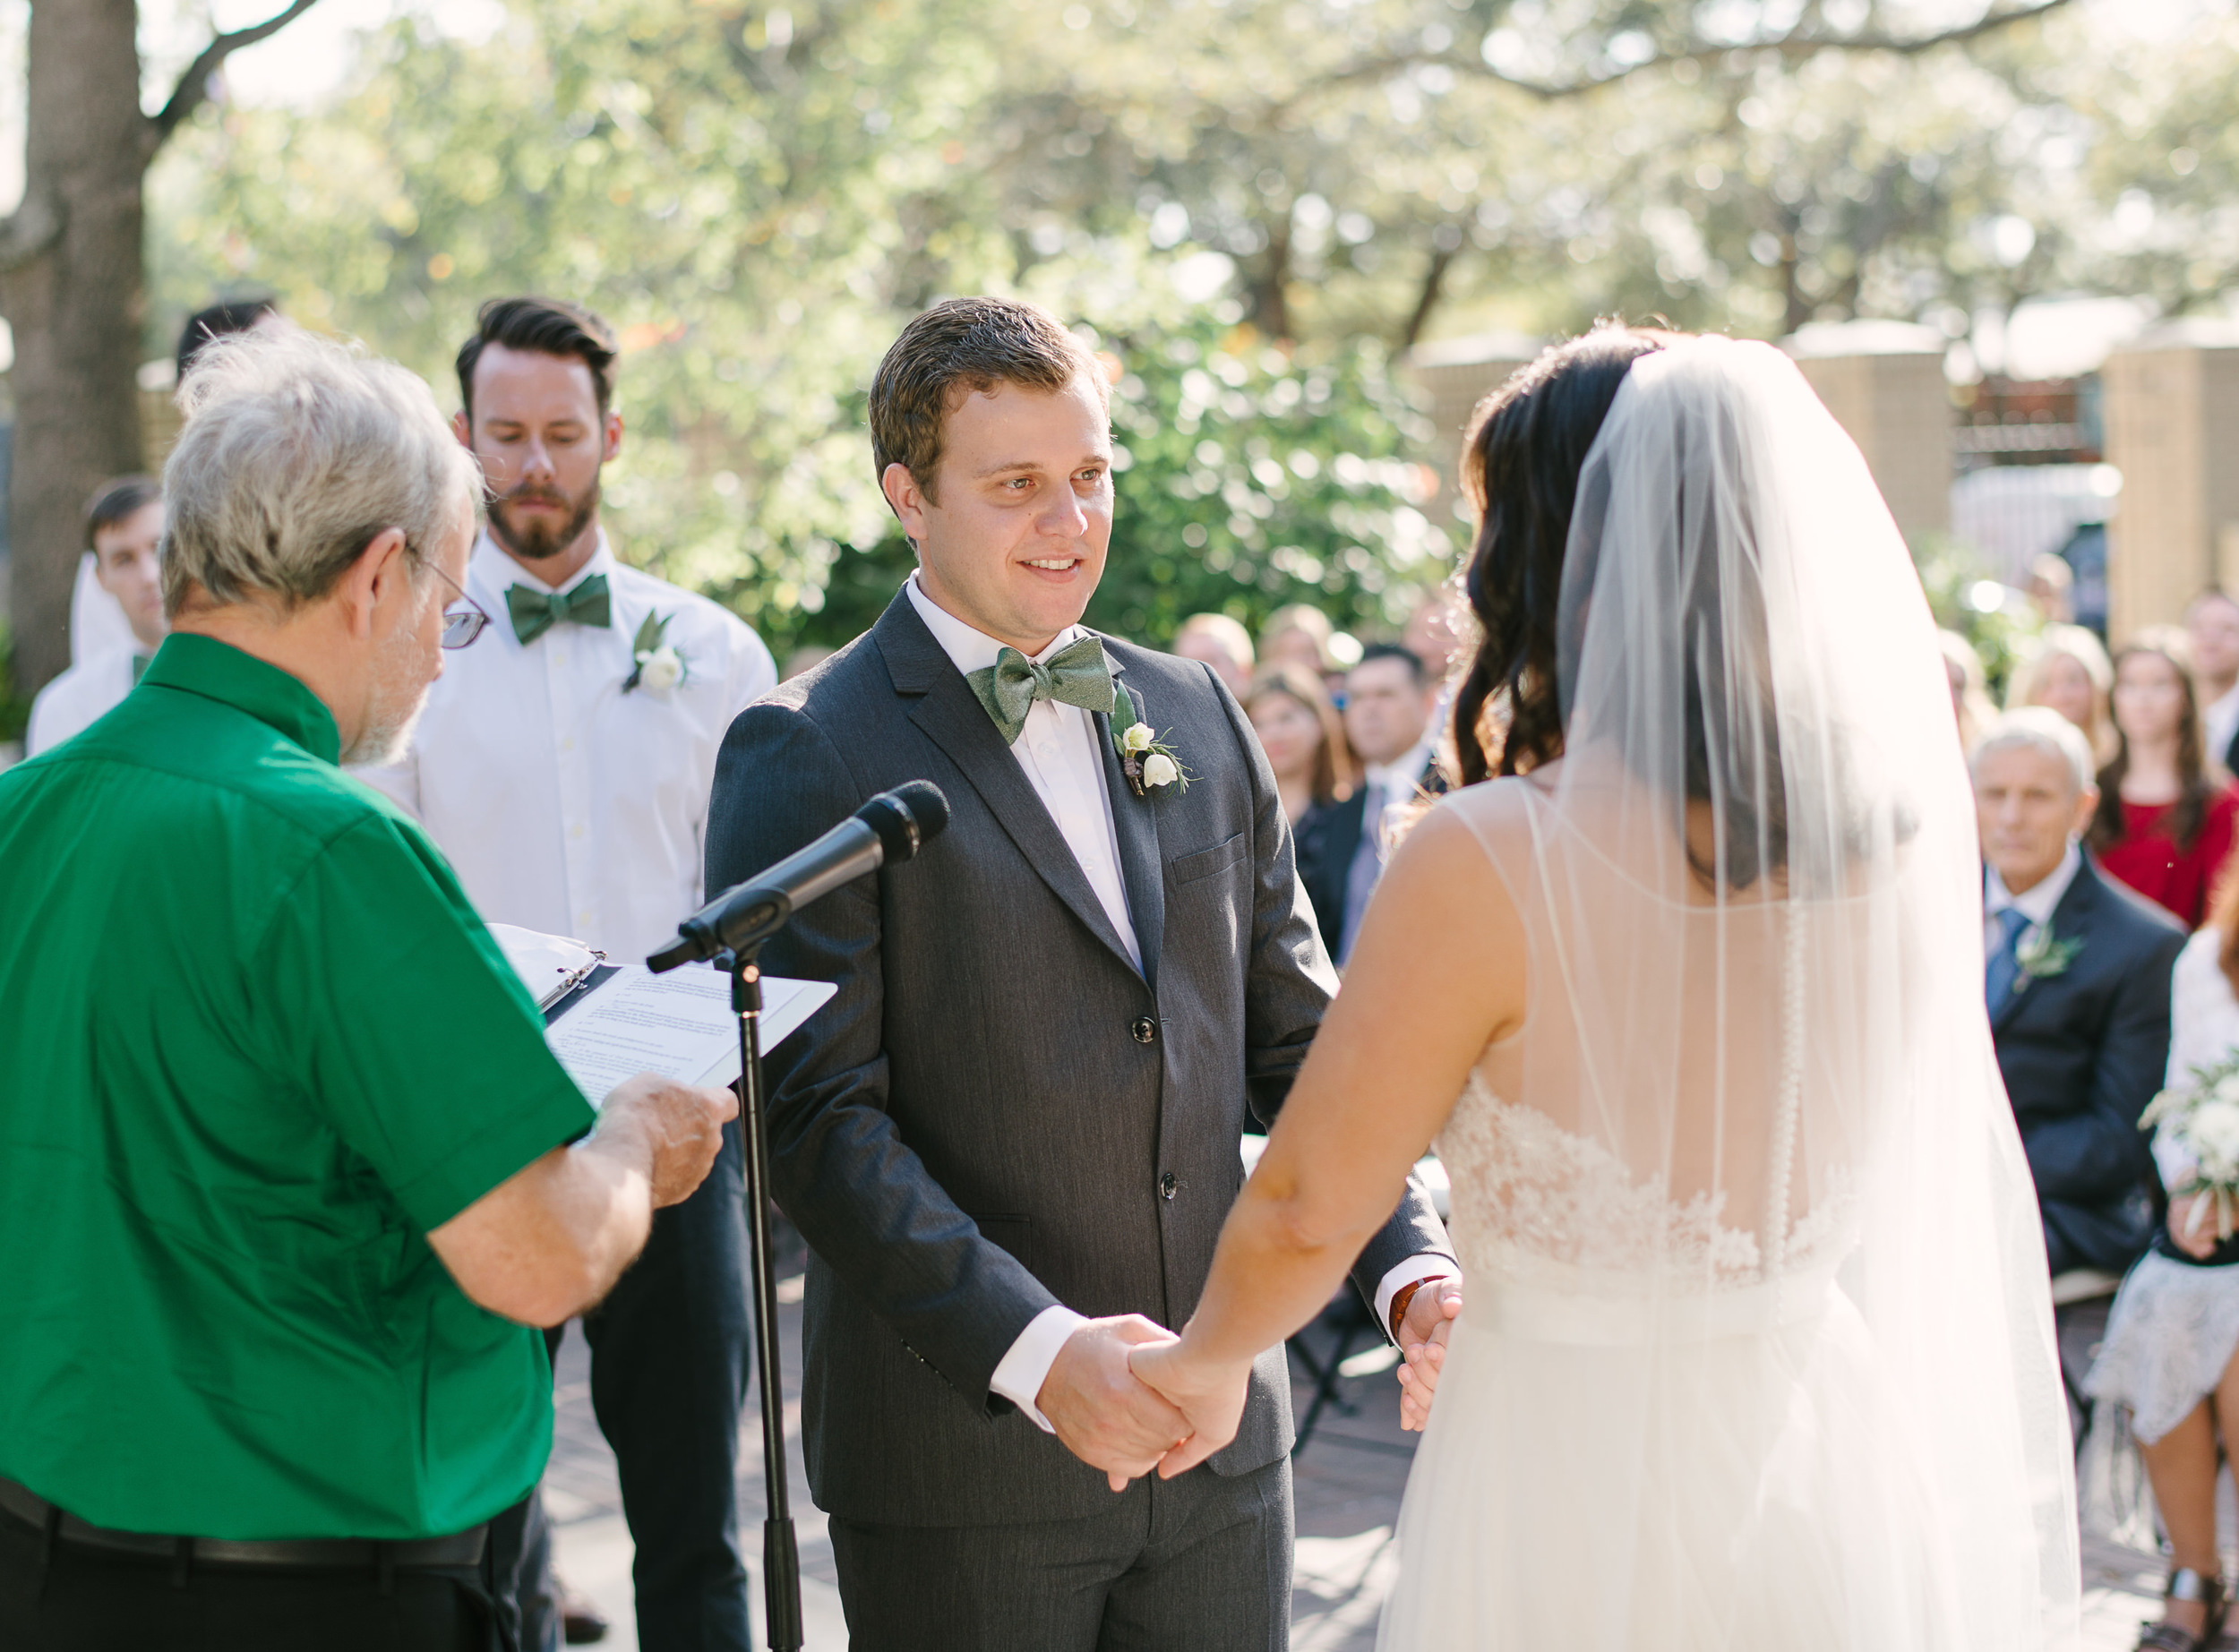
x=287, y=1172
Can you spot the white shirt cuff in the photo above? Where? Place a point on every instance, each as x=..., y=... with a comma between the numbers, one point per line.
x=1024, y=1370
x=1424, y=1265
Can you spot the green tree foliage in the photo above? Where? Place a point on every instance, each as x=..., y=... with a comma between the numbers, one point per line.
x=759, y=194
x=757, y=202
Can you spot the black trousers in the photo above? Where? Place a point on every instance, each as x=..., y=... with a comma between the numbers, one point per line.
x=72, y=1598
x=670, y=1357
x=1195, y=1564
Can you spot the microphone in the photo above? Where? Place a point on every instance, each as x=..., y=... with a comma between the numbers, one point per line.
x=885, y=831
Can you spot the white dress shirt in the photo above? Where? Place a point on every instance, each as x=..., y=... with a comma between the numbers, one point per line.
x=1060, y=751
x=81, y=696
x=564, y=804
x=2035, y=903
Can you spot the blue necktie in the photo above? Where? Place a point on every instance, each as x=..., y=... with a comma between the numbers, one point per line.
x=2003, y=969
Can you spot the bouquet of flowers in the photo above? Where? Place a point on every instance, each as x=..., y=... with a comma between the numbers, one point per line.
x=2201, y=1120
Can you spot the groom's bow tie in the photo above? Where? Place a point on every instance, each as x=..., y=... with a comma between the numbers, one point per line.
x=1074, y=675
x=534, y=613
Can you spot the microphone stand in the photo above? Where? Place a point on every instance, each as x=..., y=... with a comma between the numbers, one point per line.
x=781, y=1556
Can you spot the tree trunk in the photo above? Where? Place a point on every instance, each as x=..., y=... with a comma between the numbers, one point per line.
x=1426, y=298
x=76, y=307
x=1269, y=308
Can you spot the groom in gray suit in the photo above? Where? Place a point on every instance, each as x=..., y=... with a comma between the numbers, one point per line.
x=1011, y=1139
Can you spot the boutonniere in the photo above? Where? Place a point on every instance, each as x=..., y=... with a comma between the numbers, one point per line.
x=1148, y=762
x=2038, y=956
x=660, y=666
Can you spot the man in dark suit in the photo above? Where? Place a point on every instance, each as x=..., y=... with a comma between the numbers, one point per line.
x=2211, y=620
x=1389, y=700
x=1012, y=1138
x=2077, y=982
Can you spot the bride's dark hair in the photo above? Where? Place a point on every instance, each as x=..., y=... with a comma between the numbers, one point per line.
x=1527, y=442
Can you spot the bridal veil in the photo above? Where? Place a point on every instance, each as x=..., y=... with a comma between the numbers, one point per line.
x=1758, y=1350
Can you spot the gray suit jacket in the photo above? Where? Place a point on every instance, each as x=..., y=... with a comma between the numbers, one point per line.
x=998, y=1112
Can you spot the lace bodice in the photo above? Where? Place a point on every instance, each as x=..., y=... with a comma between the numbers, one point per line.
x=1524, y=1187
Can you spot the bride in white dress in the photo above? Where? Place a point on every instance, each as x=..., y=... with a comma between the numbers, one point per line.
x=1757, y=1346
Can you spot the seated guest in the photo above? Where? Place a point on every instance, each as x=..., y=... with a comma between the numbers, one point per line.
x=1298, y=635
x=287, y=1171
x=2070, y=673
x=1388, y=705
x=2166, y=817
x=1970, y=688
x=1216, y=640
x=2211, y=623
x=2170, y=1359
x=124, y=527
x=2077, y=982
x=1304, y=739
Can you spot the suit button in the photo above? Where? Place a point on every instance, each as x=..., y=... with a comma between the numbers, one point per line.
x=1145, y=1029
x=1167, y=1185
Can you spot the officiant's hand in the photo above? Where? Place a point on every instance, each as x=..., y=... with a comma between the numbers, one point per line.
x=1423, y=1332
x=1105, y=1418
x=1211, y=1397
x=681, y=1125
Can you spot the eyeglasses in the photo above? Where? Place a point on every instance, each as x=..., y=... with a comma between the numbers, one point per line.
x=459, y=629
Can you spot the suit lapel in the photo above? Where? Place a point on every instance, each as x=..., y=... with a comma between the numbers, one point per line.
x=949, y=717
x=2071, y=917
x=1135, y=823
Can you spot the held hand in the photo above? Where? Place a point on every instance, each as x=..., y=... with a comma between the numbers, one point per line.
x=1103, y=1415
x=1210, y=1396
x=2199, y=1242
x=1422, y=1337
x=683, y=1126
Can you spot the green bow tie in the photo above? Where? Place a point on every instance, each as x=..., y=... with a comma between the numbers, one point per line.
x=534, y=613
x=1074, y=675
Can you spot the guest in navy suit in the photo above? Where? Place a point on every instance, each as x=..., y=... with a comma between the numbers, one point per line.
x=2077, y=982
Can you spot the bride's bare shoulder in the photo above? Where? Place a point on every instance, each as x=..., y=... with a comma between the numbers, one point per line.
x=1498, y=813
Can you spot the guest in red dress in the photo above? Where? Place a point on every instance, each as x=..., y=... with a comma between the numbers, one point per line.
x=2166, y=814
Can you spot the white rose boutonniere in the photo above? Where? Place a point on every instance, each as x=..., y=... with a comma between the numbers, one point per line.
x=660, y=665
x=1148, y=762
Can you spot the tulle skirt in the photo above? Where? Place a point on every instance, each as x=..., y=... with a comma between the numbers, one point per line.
x=1738, y=1481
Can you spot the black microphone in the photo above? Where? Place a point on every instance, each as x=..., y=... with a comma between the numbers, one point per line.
x=885, y=831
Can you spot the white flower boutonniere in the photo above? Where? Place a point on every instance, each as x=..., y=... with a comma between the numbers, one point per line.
x=2038, y=956
x=1148, y=762
x=660, y=666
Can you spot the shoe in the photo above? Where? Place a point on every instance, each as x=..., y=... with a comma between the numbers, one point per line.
x=2185, y=1584
x=581, y=1623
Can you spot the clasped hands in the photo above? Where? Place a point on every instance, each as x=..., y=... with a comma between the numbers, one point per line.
x=1128, y=1395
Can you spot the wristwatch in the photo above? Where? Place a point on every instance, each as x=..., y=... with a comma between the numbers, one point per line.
x=1404, y=1294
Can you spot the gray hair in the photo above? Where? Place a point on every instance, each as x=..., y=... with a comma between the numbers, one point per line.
x=296, y=452
x=2039, y=728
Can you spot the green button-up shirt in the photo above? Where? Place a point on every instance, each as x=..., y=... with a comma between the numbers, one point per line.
x=253, y=1045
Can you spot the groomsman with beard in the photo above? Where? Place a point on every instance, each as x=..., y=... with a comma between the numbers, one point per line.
x=564, y=770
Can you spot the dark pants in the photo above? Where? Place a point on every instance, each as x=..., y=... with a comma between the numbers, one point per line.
x=85, y=1599
x=670, y=1350
x=2109, y=1237
x=1195, y=1564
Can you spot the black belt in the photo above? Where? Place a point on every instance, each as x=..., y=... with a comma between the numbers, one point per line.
x=416, y=1553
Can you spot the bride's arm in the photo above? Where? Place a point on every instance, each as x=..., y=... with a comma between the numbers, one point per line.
x=1438, y=974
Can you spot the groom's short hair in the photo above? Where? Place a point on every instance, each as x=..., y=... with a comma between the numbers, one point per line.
x=958, y=346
